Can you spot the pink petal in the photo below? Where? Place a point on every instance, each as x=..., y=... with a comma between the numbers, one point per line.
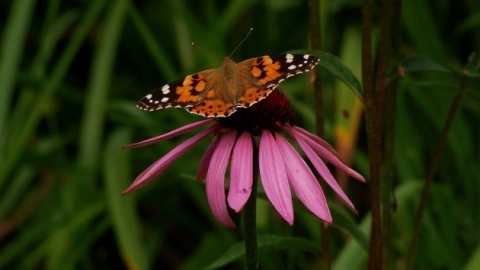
x=215, y=183
x=323, y=170
x=318, y=145
x=163, y=163
x=303, y=181
x=241, y=172
x=170, y=134
x=205, y=161
x=274, y=176
x=318, y=140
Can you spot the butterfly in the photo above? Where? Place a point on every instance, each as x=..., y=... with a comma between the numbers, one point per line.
x=220, y=92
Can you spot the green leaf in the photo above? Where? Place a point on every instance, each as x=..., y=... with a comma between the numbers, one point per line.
x=333, y=65
x=420, y=63
x=265, y=242
x=344, y=221
x=423, y=31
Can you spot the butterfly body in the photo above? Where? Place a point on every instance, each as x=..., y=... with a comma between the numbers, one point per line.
x=219, y=92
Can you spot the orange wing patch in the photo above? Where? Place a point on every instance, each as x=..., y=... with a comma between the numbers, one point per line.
x=256, y=72
x=265, y=69
x=252, y=96
x=191, y=88
x=272, y=72
x=213, y=108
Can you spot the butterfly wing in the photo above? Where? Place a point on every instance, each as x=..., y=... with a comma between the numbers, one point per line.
x=184, y=93
x=203, y=94
x=263, y=74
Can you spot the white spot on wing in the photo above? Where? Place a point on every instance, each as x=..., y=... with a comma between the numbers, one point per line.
x=291, y=67
x=165, y=99
x=289, y=58
x=306, y=56
x=149, y=96
x=166, y=89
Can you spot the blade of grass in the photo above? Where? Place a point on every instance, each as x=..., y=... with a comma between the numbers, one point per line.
x=97, y=93
x=231, y=15
x=79, y=252
x=422, y=29
x=55, y=249
x=48, y=40
x=13, y=43
x=153, y=46
x=126, y=222
x=14, y=251
x=16, y=191
x=17, y=146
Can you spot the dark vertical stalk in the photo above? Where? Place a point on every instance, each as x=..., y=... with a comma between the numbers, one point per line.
x=315, y=41
x=387, y=170
x=373, y=137
x=436, y=157
x=249, y=215
x=384, y=57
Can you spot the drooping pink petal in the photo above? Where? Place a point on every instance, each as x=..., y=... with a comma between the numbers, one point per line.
x=274, y=176
x=303, y=182
x=323, y=170
x=215, y=183
x=157, y=168
x=205, y=161
x=170, y=134
x=318, y=140
x=318, y=145
x=241, y=172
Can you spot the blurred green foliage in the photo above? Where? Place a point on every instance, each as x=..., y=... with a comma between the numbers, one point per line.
x=72, y=71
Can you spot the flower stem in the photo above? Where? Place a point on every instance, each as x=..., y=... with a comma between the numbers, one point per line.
x=249, y=215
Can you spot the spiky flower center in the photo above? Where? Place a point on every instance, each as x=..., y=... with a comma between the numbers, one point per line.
x=269, y=114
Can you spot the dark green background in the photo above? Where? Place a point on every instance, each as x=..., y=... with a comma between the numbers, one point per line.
x=72, y=71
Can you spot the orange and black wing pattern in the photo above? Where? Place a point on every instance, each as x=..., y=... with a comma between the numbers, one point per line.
x=202, y=94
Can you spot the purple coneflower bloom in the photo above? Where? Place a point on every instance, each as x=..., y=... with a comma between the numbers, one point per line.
x=282, y=168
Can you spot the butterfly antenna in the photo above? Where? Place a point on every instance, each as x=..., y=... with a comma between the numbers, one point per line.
x=241, y=42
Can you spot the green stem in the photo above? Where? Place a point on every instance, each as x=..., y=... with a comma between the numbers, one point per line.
x=249, y=215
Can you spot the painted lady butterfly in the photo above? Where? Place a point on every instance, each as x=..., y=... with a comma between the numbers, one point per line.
x=219, y=92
